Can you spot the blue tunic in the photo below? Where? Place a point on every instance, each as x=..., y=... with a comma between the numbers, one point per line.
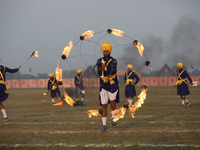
x=78, y=81
x=182, y=89
x=130, y=89
x=54, y=92
x=111, y=65
x=3, y=70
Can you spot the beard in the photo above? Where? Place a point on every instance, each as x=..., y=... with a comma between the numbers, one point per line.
x=107, y=56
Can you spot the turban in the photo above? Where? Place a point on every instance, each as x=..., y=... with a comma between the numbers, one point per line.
x=106, y=47
x=129, y=66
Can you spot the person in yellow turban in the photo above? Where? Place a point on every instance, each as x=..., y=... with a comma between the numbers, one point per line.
x=3, y=88
x=109, y=89
x=53, y=88
x=182, y=84
x=130, y=84
x=78, y=81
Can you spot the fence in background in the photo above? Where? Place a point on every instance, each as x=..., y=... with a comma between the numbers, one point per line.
x=94, y=82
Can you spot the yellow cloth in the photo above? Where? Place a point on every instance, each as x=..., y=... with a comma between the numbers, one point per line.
x=109, y=78
x=2, y=79
x=79, y=79
x=130, y=66
x=54, y=87
x=106, y=63
x=179, y=82
x=79, y=71
x=51, y=75
x=106, y=47
x=127, y=79
x=180, y=65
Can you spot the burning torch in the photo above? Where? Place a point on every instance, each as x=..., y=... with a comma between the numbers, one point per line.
x=35, y=53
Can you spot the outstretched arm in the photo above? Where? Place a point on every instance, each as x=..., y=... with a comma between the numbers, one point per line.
x=11, y=70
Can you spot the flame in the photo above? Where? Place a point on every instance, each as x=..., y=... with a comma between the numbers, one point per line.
x=88, y=34
x=69, y=100
x=92, y=113
x=58, y=73
x=151, y=68
x=138, y=103
x=67, y=49
x=36, y=54
x=58, y=103
x=119, y=113
x=117, y=32
x=44, y=93
x=140, y=47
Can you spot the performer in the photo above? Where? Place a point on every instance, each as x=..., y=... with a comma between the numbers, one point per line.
x=53, y=88
x=109, y=89
x=182, y=85
x=130, y=85
x=3, y=88
x=79, y=85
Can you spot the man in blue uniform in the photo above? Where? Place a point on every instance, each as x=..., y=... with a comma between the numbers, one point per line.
x=109, y=89
x=130, y=85
x=79, y=85
x=53, y=87
x=182, y=85
x=3, y=88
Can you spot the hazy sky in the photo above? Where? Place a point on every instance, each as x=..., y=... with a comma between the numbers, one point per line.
x=48, y=25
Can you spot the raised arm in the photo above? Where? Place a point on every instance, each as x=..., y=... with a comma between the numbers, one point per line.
x=11, y=70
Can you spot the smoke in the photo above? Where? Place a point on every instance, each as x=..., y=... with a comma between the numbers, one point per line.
x=183, y=45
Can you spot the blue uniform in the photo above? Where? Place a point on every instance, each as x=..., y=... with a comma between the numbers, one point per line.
x=3, y=70
x=109, y=82
x=53, y=87
x=182, y=89
x=129, y=78
x=78, y=81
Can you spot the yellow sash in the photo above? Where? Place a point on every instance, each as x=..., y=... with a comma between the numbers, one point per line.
x=54, y=87
x=127, y=78
x=109, y=78
x=179, y=82
x=106, y=63
x=2, y=79
x=79, y=78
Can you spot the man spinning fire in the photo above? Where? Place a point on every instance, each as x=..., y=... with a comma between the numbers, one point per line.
x=79, y=85
x=109, y=89
x=53, y=88
x=3, y=88
x=130, y=85
x=182, y=85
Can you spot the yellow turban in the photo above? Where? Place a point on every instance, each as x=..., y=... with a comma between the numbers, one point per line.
x=180, y=65
x=129, y=66
x=79, y=71
x=106, y=47
x=51, y=75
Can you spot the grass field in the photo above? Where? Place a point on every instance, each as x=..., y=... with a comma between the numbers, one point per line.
x=161, y=123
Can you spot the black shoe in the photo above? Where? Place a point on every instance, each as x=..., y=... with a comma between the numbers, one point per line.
x=104, y=128
x=6, y=119
x=113, y=123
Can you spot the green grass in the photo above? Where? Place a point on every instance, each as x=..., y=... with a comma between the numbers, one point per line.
x=159, y=124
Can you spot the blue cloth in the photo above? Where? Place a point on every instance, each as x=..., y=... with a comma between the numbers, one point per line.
x=111, y=70
x=182, y=89
x=78, y=81
x=130, y=89
x=53, y=82
x=3, y=70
